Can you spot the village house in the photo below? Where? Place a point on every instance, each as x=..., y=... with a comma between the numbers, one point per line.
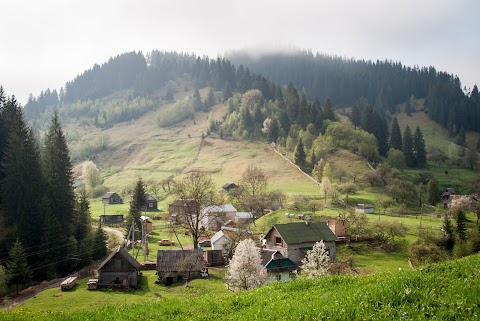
x=226, y=239
x=447, y=195
x=151, y=204
x=293, y=240
x=279, y=267
x=243, y=219
x=119, y=270
x=177, y=265
x=214, y=216
x=111, y=198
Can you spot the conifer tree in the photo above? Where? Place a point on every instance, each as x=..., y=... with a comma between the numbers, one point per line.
x=197, y=101
x=292, y=101
x=328, y=112
x=99, y=249
x=433, y=192
x=22, y=186
x=299, y=154
x=396, y=135
x=138, y=202
x=355, y=116
x=18, y=271
x=449, y=234
x=82, y=217
x=419, y=148
x=59, y=188
x=408, y=147
x=210, y=101
x=460, y=138
x=460, y=224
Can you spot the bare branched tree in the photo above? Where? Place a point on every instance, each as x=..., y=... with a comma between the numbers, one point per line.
x=195, y=191
x=253, y=189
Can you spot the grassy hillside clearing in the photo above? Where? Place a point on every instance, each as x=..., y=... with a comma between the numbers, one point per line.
x=447, y=291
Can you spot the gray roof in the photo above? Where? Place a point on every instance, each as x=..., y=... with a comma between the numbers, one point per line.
x=108, y=194
x=304, y=232
x=219, y=208
x=121, y=251
x=174, y=260
x=244, y=215
x=149, y=198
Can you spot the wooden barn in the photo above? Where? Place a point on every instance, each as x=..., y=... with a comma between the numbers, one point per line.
x=177, y=265
x=111, y=198
x=119, y=270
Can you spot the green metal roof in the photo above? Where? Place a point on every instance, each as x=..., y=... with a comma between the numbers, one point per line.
x=294, y=233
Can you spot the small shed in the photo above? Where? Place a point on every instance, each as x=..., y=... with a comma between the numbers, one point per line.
x=111, y=219
x=364, y=208
x=229, y=187
x=119, y=270
x=176, y=265
x=111, y=198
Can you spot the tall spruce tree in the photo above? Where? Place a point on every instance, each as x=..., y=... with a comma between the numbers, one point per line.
x=380, y=131
x=58, y=176
x=18, y=271
x=197, y=101
x=355, y=116
x=408, y=147
x=328, y=112
x=419, y=150
x=299, y=155
x=396, y=135
x=22, y=186
x=138, y=202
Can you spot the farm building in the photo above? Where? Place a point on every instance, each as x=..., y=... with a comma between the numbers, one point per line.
x=111, y=198
x=243, y=218
x=364, y=208
x=119, y=270
x=226, y=239
x=176, y=265
x=337, y=227
x=111, y=219
x=279, y=267
x=293, y=240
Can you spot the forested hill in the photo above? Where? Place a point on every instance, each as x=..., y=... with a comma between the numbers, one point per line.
x=145, y=82
x=382, y=84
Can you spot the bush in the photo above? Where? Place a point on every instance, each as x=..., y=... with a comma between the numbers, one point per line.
x=175, y=113
x=98, y=191
x=422, y=253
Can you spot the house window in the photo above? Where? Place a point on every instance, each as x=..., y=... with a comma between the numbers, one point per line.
x=150, y=205
x=279, y=263
x=278, y=240
x=279, y=277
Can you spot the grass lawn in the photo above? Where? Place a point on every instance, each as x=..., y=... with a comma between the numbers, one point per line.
x=79, y=298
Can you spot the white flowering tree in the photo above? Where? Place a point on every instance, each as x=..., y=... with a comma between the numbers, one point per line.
x=245, y=270
x=315, y=263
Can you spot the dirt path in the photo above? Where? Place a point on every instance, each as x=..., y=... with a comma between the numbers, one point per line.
x=118, y=233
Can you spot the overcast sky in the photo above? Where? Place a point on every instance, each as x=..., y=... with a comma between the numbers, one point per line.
x=47, y=43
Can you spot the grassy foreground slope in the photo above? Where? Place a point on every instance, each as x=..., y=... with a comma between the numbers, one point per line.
x=447, y=291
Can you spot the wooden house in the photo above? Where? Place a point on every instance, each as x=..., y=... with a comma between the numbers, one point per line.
x=177, y=265
x=111, y=198
x=119, y=270
x=364, y=208
x=243, y=218
x=293, y=240
x=151, y=203
x=279, y=267
x=448, y=195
